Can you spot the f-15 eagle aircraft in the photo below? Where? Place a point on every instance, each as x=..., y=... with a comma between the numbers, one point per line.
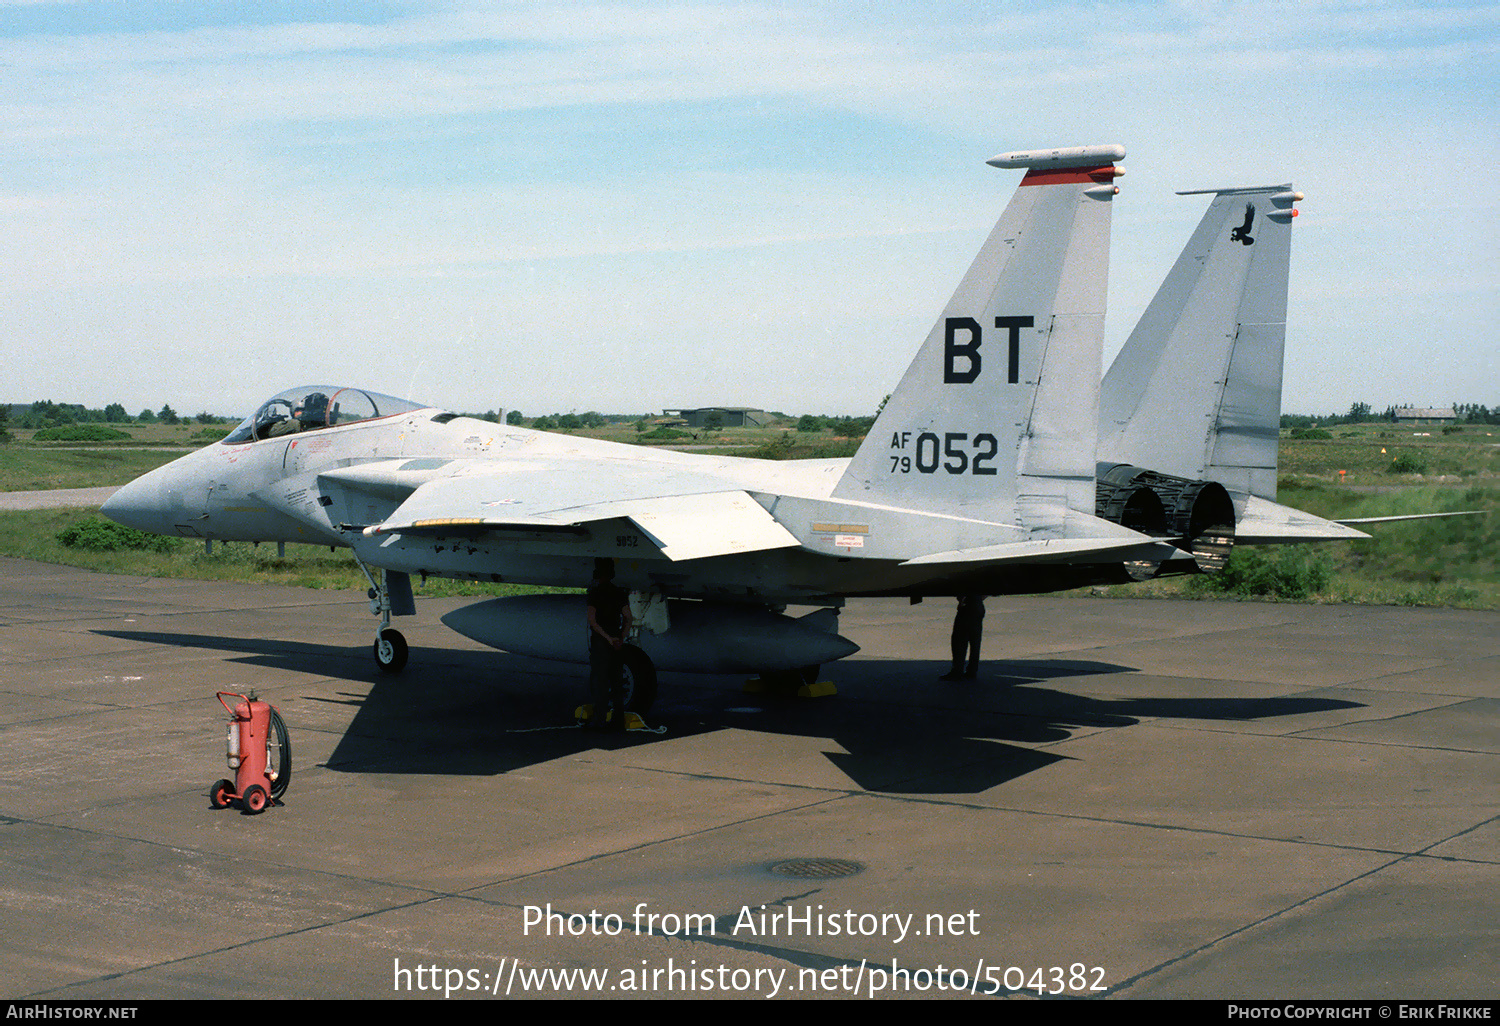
x=997, y=466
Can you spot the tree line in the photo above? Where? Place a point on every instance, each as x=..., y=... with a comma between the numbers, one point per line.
x=1363, y=413
x=47, y=414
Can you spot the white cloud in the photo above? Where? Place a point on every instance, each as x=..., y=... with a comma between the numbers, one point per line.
x=443, y=166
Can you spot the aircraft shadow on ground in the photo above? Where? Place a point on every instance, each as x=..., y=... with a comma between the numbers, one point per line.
x=901, y=731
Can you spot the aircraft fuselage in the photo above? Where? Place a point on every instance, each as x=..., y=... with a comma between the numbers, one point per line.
x=275, y=489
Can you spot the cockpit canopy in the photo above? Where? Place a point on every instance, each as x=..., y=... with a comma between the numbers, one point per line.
x=311, y=407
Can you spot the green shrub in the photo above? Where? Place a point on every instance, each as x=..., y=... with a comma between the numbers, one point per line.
x=1312, y=434
x=788, y=447
x=1406, y=463
x=1295, y=572
x=662, y=434
x=80, y=433
x=99, y=535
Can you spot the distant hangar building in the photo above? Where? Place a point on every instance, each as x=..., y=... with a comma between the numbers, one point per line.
x=1425, y=416
x=734, y=416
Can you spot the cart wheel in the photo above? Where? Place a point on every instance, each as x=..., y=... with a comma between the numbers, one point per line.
x=255, y=799
x=218, y=795
x=390, y=651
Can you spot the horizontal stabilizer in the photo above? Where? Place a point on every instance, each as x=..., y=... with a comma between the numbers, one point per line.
x=1414, y=516
x=1269, y=523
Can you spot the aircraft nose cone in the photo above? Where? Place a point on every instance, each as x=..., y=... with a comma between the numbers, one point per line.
x=138, y=505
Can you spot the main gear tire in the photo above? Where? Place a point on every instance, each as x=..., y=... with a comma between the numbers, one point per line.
x=640, y=679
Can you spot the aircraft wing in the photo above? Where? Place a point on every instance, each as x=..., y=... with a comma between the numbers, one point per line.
x=687, y=516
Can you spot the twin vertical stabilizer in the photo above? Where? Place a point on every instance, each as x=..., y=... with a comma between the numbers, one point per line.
x=996, y=417
x=1196, y=390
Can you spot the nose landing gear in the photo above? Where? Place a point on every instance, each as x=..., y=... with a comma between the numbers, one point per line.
x=391, y=596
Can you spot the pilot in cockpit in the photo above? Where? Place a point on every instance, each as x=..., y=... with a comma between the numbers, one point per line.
x=312, y=412
x=311, y=407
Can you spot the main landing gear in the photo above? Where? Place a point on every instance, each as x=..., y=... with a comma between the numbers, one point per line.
x=640, y=679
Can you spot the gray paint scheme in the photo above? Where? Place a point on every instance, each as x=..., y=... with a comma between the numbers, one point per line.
x=978, y=476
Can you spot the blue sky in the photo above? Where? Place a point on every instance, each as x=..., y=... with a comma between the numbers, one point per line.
x=630, y=206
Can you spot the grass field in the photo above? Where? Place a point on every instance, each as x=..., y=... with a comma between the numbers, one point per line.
x=33, y=534
x=27, y=469
x=1443, y=562
x=172, y=435
x=1367, y=453
x=1450, y=561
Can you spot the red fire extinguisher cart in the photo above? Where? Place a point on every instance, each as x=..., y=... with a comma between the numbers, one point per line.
x=259, y=751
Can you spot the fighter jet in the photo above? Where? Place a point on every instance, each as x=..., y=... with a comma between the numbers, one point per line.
x=987, y=471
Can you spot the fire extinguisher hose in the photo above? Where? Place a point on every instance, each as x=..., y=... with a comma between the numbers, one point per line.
x=283, y=745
